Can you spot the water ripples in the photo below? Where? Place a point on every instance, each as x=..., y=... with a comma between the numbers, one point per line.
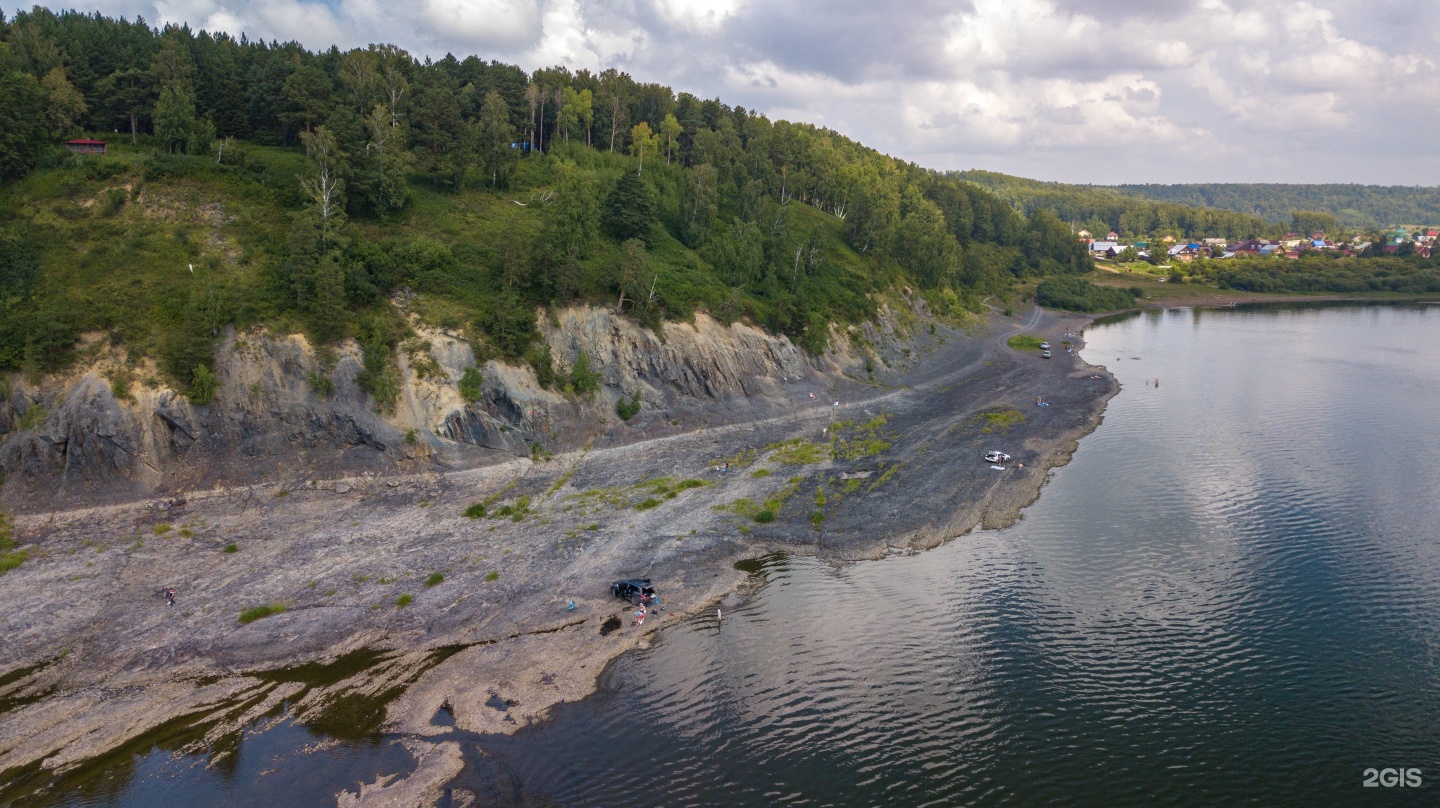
x=1222, y=599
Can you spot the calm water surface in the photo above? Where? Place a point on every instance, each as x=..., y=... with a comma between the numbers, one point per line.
x=1231, y=595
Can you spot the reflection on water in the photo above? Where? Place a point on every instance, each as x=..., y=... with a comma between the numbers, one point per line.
x=324, y=737
x=1232, y=594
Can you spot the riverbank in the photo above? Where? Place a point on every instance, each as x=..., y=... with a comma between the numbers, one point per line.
x=471, y=613
x=1160, y=293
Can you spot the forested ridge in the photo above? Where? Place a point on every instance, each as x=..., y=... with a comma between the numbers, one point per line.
x=1355, y=207
x=1101, y=209
x=250, y=182
x=1215, y=210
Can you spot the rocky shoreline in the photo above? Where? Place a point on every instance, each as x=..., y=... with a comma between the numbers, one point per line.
x=469, y=613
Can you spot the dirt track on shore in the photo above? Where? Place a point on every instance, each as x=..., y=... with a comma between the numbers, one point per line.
x=95, y=659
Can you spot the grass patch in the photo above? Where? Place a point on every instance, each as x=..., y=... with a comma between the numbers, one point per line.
x=9, y=559
x=884, y=478
x=852, y=442
x=517, y=511
x=257, y=612
x=797, y=452
x=1024, y=342
x=765, y=517
x=162, y=528
x=759, y=473
x=688, y=484
x=1001, y=418
x=476, y=511
x=648, y=504
x=34, y=416
x=593, y=526
x=816, y=518
x=404, y=600
x=739, y=460
x=232, y=548
x=491, y=576
x=434, y=580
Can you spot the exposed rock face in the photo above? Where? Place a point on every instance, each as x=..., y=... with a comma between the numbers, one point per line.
x=268, y=419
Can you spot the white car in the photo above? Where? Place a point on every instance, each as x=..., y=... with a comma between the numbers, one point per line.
x=1044, y=346
x=997, y=457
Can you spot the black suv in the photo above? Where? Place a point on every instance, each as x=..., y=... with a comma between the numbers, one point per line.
x=636, y=590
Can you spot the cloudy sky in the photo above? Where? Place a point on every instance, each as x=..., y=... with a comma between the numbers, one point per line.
x=1104, y=91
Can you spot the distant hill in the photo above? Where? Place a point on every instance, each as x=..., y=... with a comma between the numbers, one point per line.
x=1100, y=209
x=1357, y=207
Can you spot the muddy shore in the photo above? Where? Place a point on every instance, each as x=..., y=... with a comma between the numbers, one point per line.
x=463, y=614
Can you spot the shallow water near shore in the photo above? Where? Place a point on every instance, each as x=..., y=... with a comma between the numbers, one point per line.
x=1231, y=594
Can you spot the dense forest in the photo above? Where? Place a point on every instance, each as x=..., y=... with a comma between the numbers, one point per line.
x=1101, y=209
x=1355, y=207
x=248, y=182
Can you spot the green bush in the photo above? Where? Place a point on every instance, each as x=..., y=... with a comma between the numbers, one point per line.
x=232, y=547
x=471, y=385
x=765, y=516
x=434, y=580
x=583, y=380
x=628, y=408
x=203, y=386
x=322, y=385
x=648, y=504
x=404, y=600
x=476, y=511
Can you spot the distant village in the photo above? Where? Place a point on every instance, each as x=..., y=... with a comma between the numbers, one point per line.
x=1291, y=245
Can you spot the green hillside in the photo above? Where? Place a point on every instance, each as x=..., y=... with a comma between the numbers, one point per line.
x=248, y=183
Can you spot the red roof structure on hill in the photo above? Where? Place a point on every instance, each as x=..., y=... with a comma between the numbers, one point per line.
x=86, y=146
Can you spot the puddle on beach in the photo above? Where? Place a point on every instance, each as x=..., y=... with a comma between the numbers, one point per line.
x=301, y=752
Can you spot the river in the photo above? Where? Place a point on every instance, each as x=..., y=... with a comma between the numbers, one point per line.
x=1230, y=595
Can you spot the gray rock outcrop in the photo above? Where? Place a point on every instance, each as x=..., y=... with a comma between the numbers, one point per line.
x=270, y=418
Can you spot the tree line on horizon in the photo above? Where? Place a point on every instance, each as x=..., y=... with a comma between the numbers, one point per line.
x=1218, y=210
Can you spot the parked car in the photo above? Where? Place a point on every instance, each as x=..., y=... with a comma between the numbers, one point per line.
x=1044, y=346
x=1044, y=354
x=636, y=590
x=997, y=457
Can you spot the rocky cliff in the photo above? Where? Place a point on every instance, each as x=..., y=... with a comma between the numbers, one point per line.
x=284, y=412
